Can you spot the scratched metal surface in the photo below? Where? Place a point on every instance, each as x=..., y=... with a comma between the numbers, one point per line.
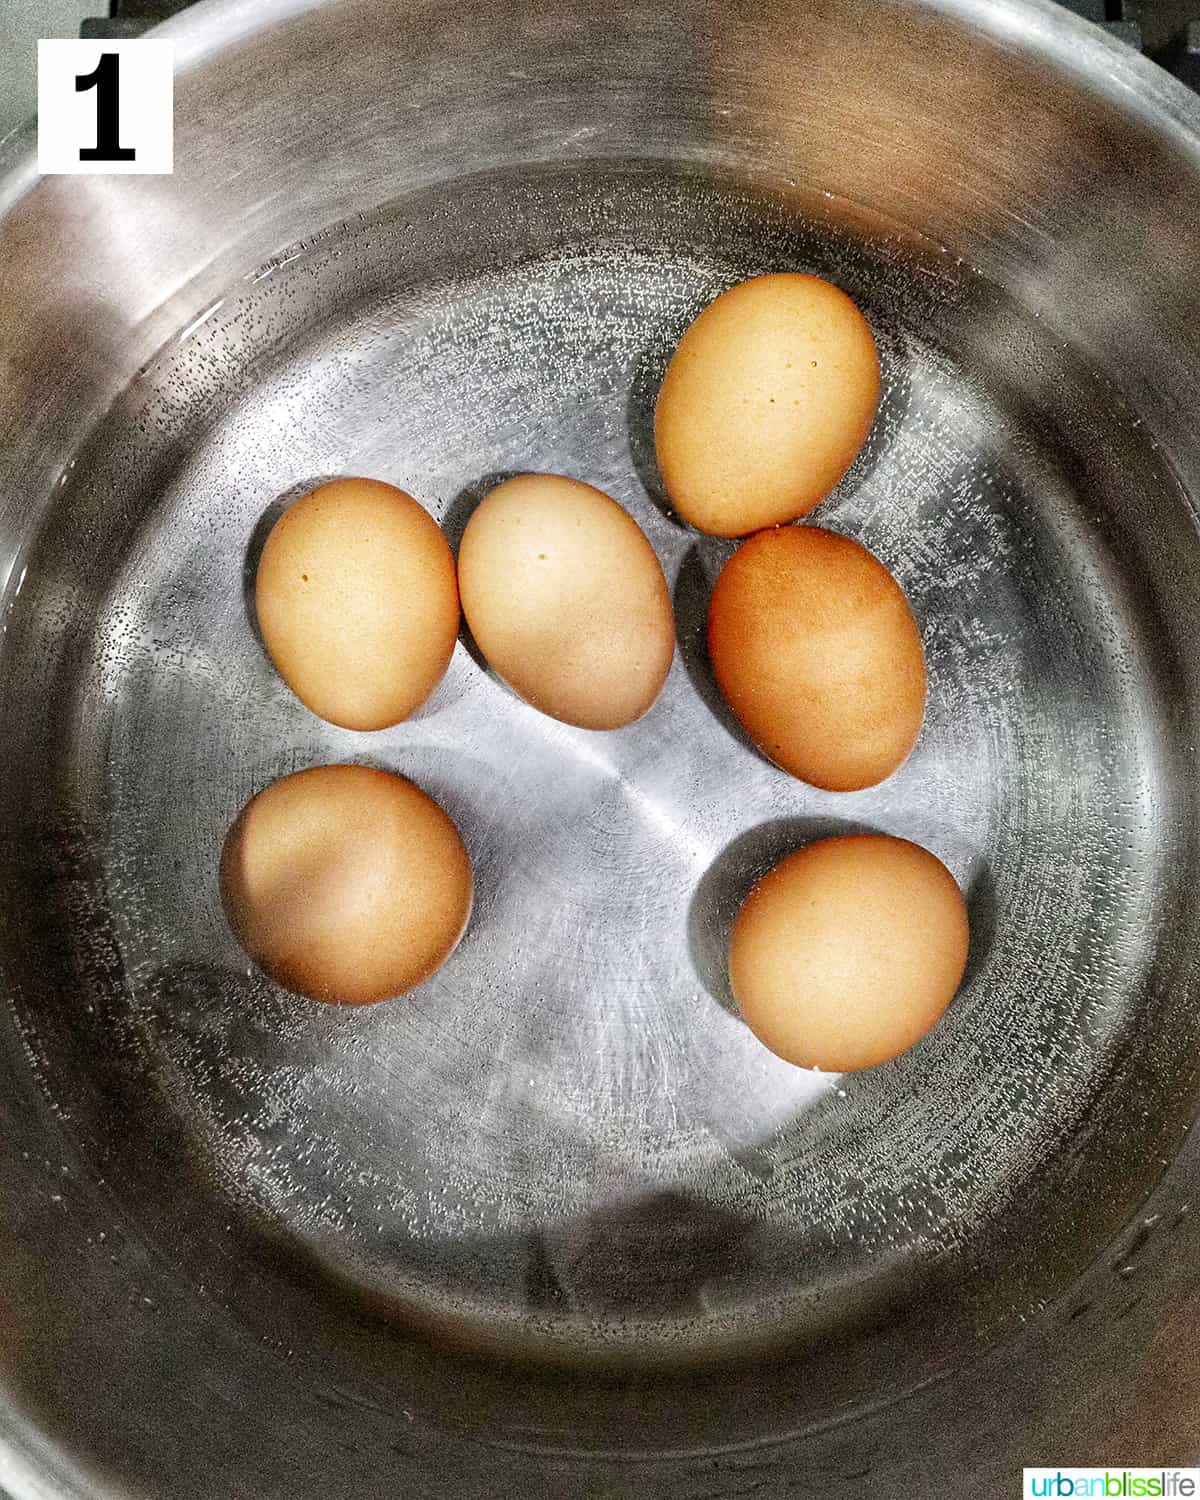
x=557, y=1209
x=567, y=1135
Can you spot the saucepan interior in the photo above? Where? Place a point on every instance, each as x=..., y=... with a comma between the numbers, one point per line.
x=559, y=1198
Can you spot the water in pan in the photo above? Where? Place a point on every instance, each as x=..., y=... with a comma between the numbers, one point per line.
x=567, y=1141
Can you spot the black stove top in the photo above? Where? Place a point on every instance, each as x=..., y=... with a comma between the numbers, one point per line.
x=1166, y=30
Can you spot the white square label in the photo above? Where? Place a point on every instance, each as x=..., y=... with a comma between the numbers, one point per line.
x=106, y=106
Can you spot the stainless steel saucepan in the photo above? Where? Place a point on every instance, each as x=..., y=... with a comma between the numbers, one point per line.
x=556, y=1225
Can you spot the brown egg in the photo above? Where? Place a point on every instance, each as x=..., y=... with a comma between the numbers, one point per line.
x=566, y=600
x=766, y=403
x=346, y=884
x=357, y=602
x=849, y=951
x=815, y=649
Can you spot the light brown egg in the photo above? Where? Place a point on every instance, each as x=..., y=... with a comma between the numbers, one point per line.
x=849, y=951
x=815, y=649
x=766, y=403
x=566, y=599
x=346, y=884
x=357, y=602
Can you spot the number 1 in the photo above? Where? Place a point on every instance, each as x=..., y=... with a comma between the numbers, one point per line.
x=105, y=78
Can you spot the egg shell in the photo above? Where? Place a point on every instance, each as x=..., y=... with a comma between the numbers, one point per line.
x=849, y=951
x=816, y=651
x=766, y=403
x=346, y=884
x=567, y=601
x=357, y=602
